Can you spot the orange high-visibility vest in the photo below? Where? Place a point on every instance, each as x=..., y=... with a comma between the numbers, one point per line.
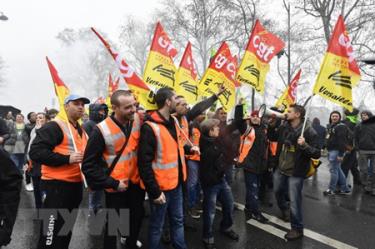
x=273, y=148
x=247, y=141
x=126, y=166
x=68, y=172
x=194, y=138
x=168, y=151
x=184, y=126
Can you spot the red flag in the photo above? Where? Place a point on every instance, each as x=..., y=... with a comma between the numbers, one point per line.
x=161, y=42
x=61, y=90
x=186, y=77
x=340, y=45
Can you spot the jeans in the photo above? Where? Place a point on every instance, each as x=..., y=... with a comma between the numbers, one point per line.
x=131, y=199
x=19, y=160
x=366, y=165
x=223, y=193
x=193, y=186
x=350, y=162
x=174, y=208
x=37, y=192
x=229, y=172
x=337, y=175
x=294, y=185
x=252, y=182
x=95, y=200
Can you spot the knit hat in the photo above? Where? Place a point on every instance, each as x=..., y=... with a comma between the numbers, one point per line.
x=255, y=113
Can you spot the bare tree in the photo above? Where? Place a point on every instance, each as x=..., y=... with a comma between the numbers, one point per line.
x=2, y=67
x=135, y=40
x=313, y=32
x=207, y=23
x=91, y=73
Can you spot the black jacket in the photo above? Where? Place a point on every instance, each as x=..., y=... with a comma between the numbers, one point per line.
x=4, y=131
x=288, y=136
x=10, y=188
x=321, y=131
x=364, y=135
x=338, y=138
x=255, y=160
x=147, y=150
x=29, y=127
x=217, y=154
x=212, y=163
x=200, y=107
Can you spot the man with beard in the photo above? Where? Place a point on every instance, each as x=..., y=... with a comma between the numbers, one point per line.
x=294, y=151
x=59, y=147
x=116, y=141
x=162, y=168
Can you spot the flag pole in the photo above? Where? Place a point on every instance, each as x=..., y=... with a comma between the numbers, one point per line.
x=308, y=101
x=75, y=150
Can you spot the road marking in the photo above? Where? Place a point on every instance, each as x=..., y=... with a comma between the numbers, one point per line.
x=307, y=232
x=268, y=228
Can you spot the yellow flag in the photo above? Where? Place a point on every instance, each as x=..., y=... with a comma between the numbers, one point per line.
x=160, y=70
x=339, y=72
x=289, y=96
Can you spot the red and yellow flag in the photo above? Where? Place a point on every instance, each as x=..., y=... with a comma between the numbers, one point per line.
x=141, y=91
x=112, y=87
x=289, y=96
x=222, y=71
x=261, y=48
x=61, y=90
x=339, y=72
x=160, y=70
x=186, y=77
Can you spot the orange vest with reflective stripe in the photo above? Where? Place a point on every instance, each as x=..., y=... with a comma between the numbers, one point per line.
x=126, y=167
x=165, y=163
x=184, y=126
x=273, y=148
x=194, y=138
x=247, y=141
x=68, y=172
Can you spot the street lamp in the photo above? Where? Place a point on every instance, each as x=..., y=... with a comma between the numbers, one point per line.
x=370, y=61
x=3, y=17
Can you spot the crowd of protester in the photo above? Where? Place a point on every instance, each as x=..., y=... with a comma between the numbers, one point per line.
x=182, y=158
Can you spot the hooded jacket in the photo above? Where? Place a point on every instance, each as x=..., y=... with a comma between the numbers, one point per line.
x=364, y=136
x=147, y=149
x=95, y=117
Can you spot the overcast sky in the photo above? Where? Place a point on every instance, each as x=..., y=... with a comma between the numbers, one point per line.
x=29, y=35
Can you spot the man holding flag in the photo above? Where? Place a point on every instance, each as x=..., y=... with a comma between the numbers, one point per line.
x=59, y=147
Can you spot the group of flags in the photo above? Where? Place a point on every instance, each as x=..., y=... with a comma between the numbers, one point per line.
x=338, y=74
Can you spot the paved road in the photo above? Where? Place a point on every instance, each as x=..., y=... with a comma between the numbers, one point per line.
x=330, y=222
